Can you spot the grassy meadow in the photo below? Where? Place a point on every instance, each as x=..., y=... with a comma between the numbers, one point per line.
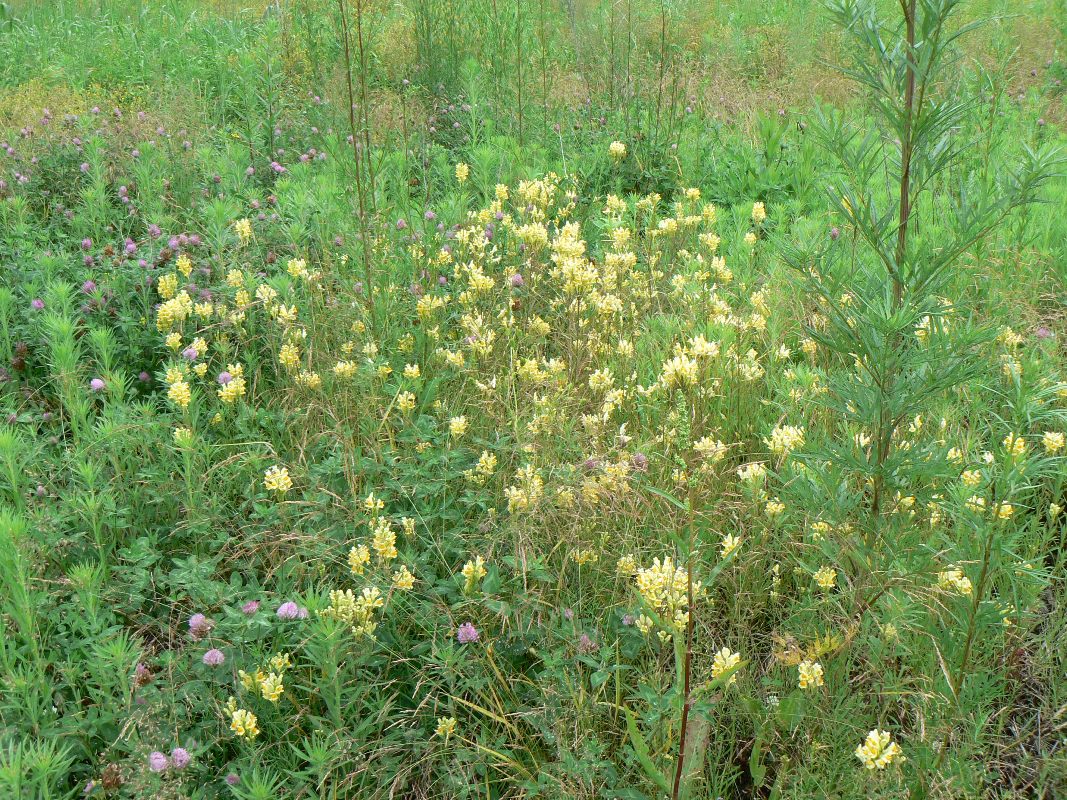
x=495, y=399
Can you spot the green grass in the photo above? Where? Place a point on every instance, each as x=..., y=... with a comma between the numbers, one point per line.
x=547, y=430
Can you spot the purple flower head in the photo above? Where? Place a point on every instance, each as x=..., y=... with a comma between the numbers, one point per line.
x=87, y=243
x=429, y=216
x=144, y=377
x=37, y=304
x=89, y=287
x=141, y=674
x=517, y=281
x=251, y=607
x=180, y=757
x=1043, y=333
x=190, y=354
x=442, y=281
x=401, y=224
x=568, y=614
x=87, y=260
x=154, y=231
x=467, y=633
x=585, y=644
x=225, y=377
x=214, y=657
x=835, y=233
x=232, y=779
x=157, y=762
x=97, y=384
x=639, y=461
x=199, y=626
x=131, y=248
x=290, y=610
x=85, y=166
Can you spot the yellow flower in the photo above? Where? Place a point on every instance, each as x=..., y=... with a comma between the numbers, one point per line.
x=752, y=472
x=879, y=750
x=826, y=578
x=1053, y=442
x=473, y=571
x=759, y=213
x=820, y=529
x=272, y=687
x=664, y=588
x=243, y=227
x=725, y=660
x=233, y=390
x=289, y=356
x=167, y=285
x=1015, y=444
x=457, y=426
x=679, y=371
x=617, y=150
x=446, y=726
x=784, y=439
x=297, y=267
x=953, y=579
x=462, y=172
x=276, y=479
x=1004, y=511
x=345, y=369
x=244, y=723
x=180, y=394
x=729, y=544
x=281, y=662
x=384, y=540
x=405, y=401
x=310, y=380
x=412, y=371
x=358, y=558
x=403, y=580
x=809, y=674
x=183, y=437
x=774, y=508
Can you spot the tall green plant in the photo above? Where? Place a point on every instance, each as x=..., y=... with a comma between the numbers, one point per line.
x=883, y=305
x=912, y=207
